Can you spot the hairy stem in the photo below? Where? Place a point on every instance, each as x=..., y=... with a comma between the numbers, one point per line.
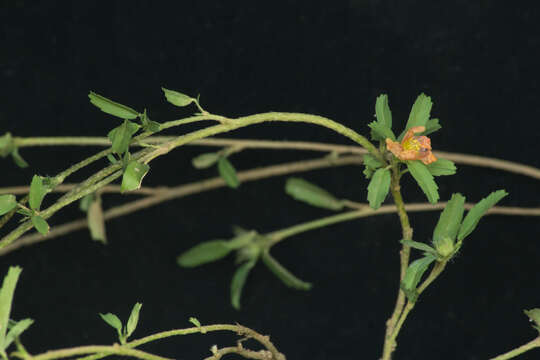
x=519, y=350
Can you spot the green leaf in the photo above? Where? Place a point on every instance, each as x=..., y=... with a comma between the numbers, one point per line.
x=37, y=192
x=283, y=274
x=449, y=221
x=149, y=125
x=85, y=202
x=419, y=114
x=7, y=145
x=372, y=162
x=475, y=214
x=227, y=172
x=16, y=330
x=419, y=246
x=40, y=224
x=432, y=125
x=177, y=98
x=7, y=203
x=423, y=177
x=307, y=192
x=378, y=188
x=121, y=135
x=368, y=172
x=442, y=167
x=241, y=240
x=96, y=221
x=17, y=158
x=133, y=176
x=195, y=321
x=381, y=131
x=413, y=275
x=113, y=321
x=203, y=253
x=133, y=319
x=6, y=298
x=382, y=111
x=205, y=160
x=534, y=316
x=238, y=282
x=112, y=159
x=113, y=108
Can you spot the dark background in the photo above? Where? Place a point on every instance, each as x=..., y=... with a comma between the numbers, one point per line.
x=477, y=60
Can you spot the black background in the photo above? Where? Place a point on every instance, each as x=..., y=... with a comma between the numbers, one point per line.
x=477, y=60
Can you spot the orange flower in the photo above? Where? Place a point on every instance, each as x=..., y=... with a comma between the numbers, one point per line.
x=412, y=147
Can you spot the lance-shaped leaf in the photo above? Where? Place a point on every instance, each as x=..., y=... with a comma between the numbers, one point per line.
x=475, y=214
x=381, y=131
x=413, y=275
x=40, y=224
x=133, y=319
x=534, y=316
x=113, y=108
x=121, y=136
x=283, y=274
x=419, y=246
x=204, y=253
x=449, y=223
x=16, y=330
x=197, y=323
x=228, y=172
x=177, y=98
x=113, y=321
x=378, y=188
x=382, y=111
x=425, y=180
x=37, y=192
x=133, y=175
x=6, y=299
x=305, y=191
x=7, y=203
x=442, y=167
x=96, y=221
x=432, y=125
x=238, y=281
x=205, y=160
x=85, y=202
x=419, y=114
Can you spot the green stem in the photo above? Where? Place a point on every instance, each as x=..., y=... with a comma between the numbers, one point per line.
x=520, y=350
x=105, y=350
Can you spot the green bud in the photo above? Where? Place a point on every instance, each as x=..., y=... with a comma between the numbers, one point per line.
x=444, y=246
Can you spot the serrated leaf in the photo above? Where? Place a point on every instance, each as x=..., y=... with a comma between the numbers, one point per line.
x=419, y=246
x=382, y=111
x=228, y=172
x=368, y=172
x=442, y=167
x=17, y=158
x=133, y=175
x=381, y=131
x=96, y=221
x=120, y=136
x=475, y=214
x=177, y=98
x=6, y=298
x=449, y=220
x=238, y=281
x=419, y=114
x=7, y=203
x=113, y=321
x=534, y=316
x=371, y=161
x=16, y=330
x=37, y=192
x=432, y=125
x=425, y=180
x=113, y=108
x=413, y=275
x=133, y=319
x=40, y=224
x=204, y=253
x=378, y=188
x=307, y=192
x=283, y=274
x=205, y=160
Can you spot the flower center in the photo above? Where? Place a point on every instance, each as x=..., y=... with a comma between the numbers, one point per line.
x=412, y=144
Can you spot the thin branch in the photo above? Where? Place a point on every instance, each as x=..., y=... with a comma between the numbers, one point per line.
x=107, y=350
